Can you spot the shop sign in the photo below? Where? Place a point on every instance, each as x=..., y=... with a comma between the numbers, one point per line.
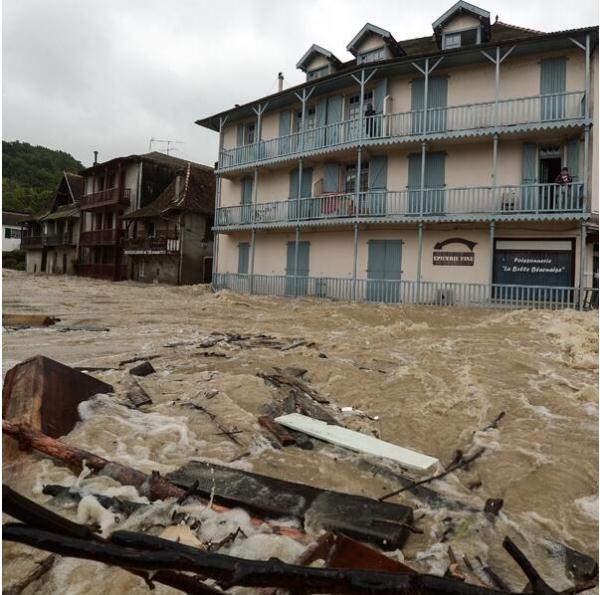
x=443, y=257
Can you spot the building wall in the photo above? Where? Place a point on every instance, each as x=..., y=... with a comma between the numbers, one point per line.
x=196, y=246
x=461, y=22
x=33, y=261
x=9, y=244
x=155, y=269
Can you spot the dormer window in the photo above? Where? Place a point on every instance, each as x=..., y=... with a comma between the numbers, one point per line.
x=372, y=56
x=457, y=39
x=317, y=73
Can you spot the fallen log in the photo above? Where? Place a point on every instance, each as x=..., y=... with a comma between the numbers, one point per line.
x=144, y=552
x=28, y=320
x=24, y=509
x=154, y=486
x=279, y=432
x=42, y=567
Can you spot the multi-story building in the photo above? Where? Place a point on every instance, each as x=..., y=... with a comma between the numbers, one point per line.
x=112, y=190
x=428, y=170
x=11, y=229
x=50, y=236
x=170, y=240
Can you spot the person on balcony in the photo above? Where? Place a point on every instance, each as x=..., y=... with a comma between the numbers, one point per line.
x=564, y=181
x=369, y=113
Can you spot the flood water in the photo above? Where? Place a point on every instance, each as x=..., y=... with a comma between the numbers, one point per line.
x=433, y=377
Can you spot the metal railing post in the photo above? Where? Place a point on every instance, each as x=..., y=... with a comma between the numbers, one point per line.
x=355, y=261
x=582, y=263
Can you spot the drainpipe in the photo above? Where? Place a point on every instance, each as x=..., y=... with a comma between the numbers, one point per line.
x=252, y=248
x=419, y=258
x=582, y=257
x=422, y=182
x=491, y=263
x=494, y=160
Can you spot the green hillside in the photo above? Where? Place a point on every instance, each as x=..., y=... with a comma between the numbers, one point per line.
x=31, y=173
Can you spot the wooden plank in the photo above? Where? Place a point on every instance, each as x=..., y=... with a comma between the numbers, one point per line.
x=352, y=515
x=356, y=441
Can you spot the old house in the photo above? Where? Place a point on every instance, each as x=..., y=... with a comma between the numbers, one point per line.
x=51, y=236
x=12, y=229
x=424, y=170
x=112, y=190
x=170, y=240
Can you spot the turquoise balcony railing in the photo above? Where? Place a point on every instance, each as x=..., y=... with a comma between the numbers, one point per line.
x=411, y=204
x=476, y=118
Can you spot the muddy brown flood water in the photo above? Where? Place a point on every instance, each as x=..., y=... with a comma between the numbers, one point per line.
x=433, y=376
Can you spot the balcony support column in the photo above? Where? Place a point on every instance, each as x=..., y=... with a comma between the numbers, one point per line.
x=362, y=81
x=586, y=48
x=422, y=182
x=222, y=122
x=354, y=261
x=252, y=249
x=259, y=110
x=586, y=166
x=582, y=258
x=357, y=182
x=426, y=71
x=303, y=98
x=299, y=199
x=296, y=246
x=495, y=160
x=496, y=61
x=491, y=264
x=419, y=259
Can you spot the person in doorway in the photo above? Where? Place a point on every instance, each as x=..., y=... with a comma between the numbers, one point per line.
x=564, y=181
x=369, y=113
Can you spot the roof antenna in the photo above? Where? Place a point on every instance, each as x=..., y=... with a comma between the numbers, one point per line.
x=169, y=143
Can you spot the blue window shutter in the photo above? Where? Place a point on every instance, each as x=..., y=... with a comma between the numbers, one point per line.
x=307, y=176
x=436, y=103
x=417, y=104
x=435, y=170
x=331, y=177
x=379, y=93
x=393, y=259
x=553, y=76
x=247, y=184
x=303, y=258
x=378, y=173
x=321, y=112
x=529, y=159
x=294, y=183
x=291, y=255
x=573, y=157
x=376, y=260
x=240, y=135
x=243, y=258
x=334, y=109
x=285, y=119
x=414, y=170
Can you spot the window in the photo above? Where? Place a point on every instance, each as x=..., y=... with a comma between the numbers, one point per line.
x=354, y=104
x=350, y=178
x=149, y=228
x=459, y=39
x=371, y=56
x=317, y=73
x=243, y=258
x=249, y=133
x=310, y=119
x=12, y=233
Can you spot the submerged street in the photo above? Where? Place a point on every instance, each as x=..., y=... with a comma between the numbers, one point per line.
x=428, y=379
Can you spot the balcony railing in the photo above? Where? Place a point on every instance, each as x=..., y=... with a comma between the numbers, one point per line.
x=478, y=117
x=32, y=242
x=101, y=237
x=526, y=199
x=60, y=239
x=158, y=245
x=106, y=198
x=110, y=272
x=429, y=293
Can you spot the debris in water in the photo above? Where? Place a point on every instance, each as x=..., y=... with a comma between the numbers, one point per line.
x=143, y=369
x=28, y=320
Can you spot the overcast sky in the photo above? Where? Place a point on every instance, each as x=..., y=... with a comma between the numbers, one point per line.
x=80, y=75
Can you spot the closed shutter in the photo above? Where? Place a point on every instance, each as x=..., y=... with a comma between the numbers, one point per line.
x=243, y=258
x=334, y=116
x=331, y=177
x=294, y=183
x=376, y=197
x=553, y=79
x=414, y=183
x=303, y=259
x=285, y=120
x=240, y=135
x=436, y=104
x=376, y=260
x=247, y=184
x=573, y=158
x=307, y=177
x=417, y=104
x=294, y=286
x=393, y=260
x=379, y=93
x=320, y=121
x=528, y=175
x=435, y=178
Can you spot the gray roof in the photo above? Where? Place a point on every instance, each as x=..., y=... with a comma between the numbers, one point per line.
x=312, y=50
x=369, y=29
x=459, y=7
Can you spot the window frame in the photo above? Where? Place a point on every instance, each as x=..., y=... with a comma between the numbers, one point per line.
x=371, y=56
x=317, y=73
x=459, y=33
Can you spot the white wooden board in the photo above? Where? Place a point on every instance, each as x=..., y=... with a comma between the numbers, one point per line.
x=356, y=441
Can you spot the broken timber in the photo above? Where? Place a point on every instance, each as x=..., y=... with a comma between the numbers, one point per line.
x=350, y=514
x=44, y=394
x=25, y=320
x=356, y=441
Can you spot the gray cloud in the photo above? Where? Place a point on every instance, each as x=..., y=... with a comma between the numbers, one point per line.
x=108, y=75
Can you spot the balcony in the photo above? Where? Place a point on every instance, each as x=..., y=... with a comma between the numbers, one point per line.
x=60, y=239
x=33, y=242
x=111, y=197
x=111, y=272
x=101, y=237
x=510, y=115
x=148, y=246
x=530, y=201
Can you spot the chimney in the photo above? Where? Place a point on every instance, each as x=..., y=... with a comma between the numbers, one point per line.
x=95, y=158
x=280, y=81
